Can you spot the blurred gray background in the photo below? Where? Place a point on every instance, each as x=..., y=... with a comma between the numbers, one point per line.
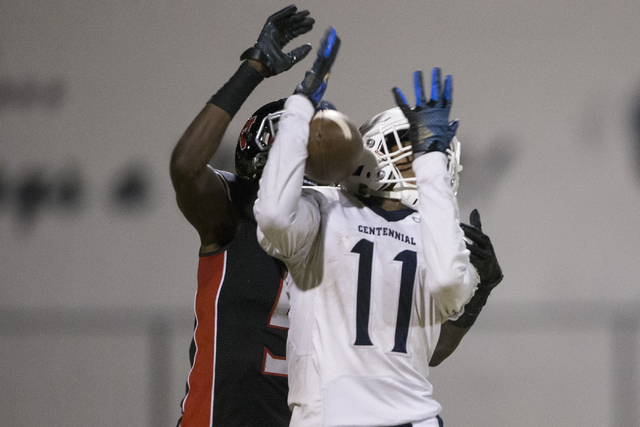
x=98, y=267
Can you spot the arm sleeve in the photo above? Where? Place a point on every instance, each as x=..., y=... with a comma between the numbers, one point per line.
x=287, y=222
x=450, y=276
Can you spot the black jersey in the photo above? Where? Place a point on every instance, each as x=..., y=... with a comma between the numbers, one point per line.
x=238, y=371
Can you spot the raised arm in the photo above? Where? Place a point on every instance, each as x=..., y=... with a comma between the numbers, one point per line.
x=200, y=192
x=449, y=274
x=286, y=222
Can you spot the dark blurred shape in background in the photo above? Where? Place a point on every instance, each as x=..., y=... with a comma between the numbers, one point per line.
x=32, y=193
x=36, y=193
x=635, y=126
x=4, y=190
x=131, y=189
x=28, y=92
x=69, y=191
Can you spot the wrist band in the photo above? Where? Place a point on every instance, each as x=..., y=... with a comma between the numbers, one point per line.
x=255, y=54
x=232, y=95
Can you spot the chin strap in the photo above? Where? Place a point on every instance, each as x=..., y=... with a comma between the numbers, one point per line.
x=409, y=197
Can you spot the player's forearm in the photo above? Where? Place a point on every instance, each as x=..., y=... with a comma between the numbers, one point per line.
x=281, y=183
x=202, y=138
x=450, y=337
x=282, y=216
x=450, y=275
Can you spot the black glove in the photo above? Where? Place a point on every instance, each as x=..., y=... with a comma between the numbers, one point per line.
x=429, y=121
x=281, y=27
x=483, y=257
x=315, y=80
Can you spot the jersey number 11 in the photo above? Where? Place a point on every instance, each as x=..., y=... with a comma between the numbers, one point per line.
x=363, y=297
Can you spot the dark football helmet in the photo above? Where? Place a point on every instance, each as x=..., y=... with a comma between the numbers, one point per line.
x=258, y=134
x=256, y=138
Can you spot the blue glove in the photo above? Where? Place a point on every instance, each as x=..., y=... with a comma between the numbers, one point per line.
x=315, y=80
x=429, y=121
x=325, y=105
x=280, y=28
x=453, y=128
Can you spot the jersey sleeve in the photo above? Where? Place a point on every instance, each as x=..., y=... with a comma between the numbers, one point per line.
x=227, y=179
x=240, y=191
x=287, y=222
x=449, y=274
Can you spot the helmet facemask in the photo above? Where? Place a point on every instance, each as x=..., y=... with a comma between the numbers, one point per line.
x=379, y=174
x=256, y=138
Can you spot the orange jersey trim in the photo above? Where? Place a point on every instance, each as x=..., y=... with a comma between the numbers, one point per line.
x=198, y=403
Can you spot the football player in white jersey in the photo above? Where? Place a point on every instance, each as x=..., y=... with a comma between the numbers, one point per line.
x=371, y=279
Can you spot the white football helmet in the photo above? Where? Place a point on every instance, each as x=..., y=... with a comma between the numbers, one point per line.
x=378, y=174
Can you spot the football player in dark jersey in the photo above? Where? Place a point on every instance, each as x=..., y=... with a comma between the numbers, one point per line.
x=238, y=367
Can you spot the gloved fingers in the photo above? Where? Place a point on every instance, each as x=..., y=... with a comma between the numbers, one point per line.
x=327, y=52
x=304, y=27
x=474, y=219
x=329, y=43
x=472, y=233
x=453, y=128
x=448, y=90
x=435, y=86
x=283, y=13
x=297, y=24
x=480, y=253
x=299, y=53
x=295, y=33
x=335, y=49
x=401, y=101
x=293, y=26
x=314, y=83
x=418, y=88
x=298, y=18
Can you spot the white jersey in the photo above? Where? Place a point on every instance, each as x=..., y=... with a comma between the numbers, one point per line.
x=368, y=288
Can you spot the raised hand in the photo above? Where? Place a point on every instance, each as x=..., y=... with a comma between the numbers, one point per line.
x=280, y=28
x=483, y=257
x=315, y=80
x=429, y=121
